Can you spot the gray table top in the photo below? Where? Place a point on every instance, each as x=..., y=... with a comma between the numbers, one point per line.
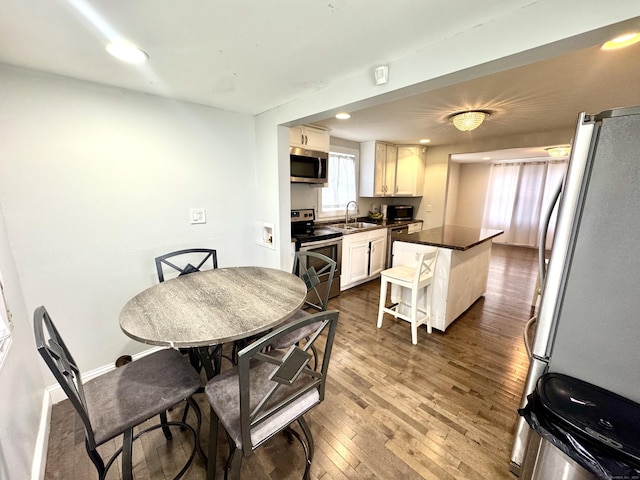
x=213, y=306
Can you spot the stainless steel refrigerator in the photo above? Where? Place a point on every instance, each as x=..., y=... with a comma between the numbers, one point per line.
x=588, y=322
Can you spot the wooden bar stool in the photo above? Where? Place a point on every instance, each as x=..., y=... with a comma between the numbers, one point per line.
x=417, y=278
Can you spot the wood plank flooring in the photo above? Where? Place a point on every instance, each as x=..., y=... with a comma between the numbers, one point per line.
x=443, y=409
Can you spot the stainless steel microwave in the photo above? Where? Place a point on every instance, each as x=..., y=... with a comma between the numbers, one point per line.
x=308, y=166
x=400, y=212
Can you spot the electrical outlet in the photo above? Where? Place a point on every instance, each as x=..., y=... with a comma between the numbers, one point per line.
x=197, y=215
x=428, y=208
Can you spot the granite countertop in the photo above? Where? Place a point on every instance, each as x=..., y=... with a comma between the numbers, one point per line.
x=450, y=236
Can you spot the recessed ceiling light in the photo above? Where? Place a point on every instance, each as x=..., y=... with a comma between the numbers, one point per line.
x=622, y=41
x=343, y=116
x=425, y=140
x=127, y=53
x=486, y=158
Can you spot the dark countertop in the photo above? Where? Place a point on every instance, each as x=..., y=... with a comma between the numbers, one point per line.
x=450, y=236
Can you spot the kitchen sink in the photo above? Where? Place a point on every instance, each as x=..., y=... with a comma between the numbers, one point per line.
x=351, y=226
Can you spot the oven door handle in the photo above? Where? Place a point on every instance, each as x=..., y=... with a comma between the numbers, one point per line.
x=320, y=243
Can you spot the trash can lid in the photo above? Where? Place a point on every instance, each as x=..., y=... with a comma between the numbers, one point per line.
x=592, y=413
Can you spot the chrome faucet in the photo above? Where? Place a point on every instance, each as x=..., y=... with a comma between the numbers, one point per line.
x=346, y=212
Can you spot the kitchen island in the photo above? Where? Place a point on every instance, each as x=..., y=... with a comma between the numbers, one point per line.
x=461, y=271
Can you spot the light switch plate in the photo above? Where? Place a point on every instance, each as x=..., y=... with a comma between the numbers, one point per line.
x=197, y=215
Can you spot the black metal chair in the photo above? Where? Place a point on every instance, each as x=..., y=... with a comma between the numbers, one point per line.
x=268, y=391
x=119, y=400
x=199, y=256
x=315, y=269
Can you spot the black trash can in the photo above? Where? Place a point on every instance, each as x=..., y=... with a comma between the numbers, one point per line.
x=595, y=428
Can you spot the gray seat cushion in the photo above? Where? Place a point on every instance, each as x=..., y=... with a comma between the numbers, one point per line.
x=296, y=335
x=129, y=395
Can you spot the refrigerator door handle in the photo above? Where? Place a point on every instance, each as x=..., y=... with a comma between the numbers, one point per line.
x=542, y=235
x=525, y=335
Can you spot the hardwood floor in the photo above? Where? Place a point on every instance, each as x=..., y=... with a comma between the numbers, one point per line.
x=443, y=409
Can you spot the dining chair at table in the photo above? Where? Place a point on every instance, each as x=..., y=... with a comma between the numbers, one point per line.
x=115, y=402
x=267, y=391
x=199, y=256
x=313, y=268
x=184, y=262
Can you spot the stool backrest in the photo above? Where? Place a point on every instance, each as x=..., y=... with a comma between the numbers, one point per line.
x=425, y=265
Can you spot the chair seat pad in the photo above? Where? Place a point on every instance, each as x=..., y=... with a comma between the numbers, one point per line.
x=403, y=273
x=223, y=392
x=129, y=395
x=296, y=335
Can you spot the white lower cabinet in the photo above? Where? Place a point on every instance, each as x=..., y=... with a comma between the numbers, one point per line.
x=414, y=227
x=363, y=257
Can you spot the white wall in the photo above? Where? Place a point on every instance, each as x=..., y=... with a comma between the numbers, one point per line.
x=22, y=385
x=95, y=182
x=472, y=190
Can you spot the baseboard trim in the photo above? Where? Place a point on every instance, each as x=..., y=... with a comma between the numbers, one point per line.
x=52, y=395
x=42, y=440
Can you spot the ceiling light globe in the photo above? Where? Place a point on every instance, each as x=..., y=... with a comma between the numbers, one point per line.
x=559, y=151
x=467, y=121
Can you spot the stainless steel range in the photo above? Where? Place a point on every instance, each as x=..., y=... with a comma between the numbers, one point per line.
x=324, y=240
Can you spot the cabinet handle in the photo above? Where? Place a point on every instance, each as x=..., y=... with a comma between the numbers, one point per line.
x=306, y=140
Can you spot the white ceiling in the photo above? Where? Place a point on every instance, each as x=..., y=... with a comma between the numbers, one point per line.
x=540, y=97
x=251, y=56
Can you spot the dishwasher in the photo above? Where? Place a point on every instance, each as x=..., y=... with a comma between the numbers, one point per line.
x=392, y=231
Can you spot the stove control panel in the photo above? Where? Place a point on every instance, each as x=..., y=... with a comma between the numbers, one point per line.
x=303, y=215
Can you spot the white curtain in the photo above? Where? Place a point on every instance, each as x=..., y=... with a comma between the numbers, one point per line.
x=517, y=195
x=498, y=206
x=341, y=187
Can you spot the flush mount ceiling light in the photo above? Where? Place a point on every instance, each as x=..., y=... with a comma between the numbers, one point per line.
x=468, y=120
x=127, y=53
x=343, y=116
x=559, y=151
x=622, y=41
x=425, y=140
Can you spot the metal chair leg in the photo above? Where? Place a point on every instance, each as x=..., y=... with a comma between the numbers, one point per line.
x=165, y=429
x=213, y=445
x=97, y=461
x=234, y=464
x=127, y=452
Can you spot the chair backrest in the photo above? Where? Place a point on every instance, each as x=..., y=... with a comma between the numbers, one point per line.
x=317, y=271
x=272, y=385
x=425, y=265
x=56, y=355
x=198, y=257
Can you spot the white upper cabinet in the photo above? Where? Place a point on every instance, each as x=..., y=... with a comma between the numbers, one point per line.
x=410, y=171
x=387, y=170
x=310, y=137
x=377, y=169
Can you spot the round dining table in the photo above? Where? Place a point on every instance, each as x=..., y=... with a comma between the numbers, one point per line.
x=212, y=307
